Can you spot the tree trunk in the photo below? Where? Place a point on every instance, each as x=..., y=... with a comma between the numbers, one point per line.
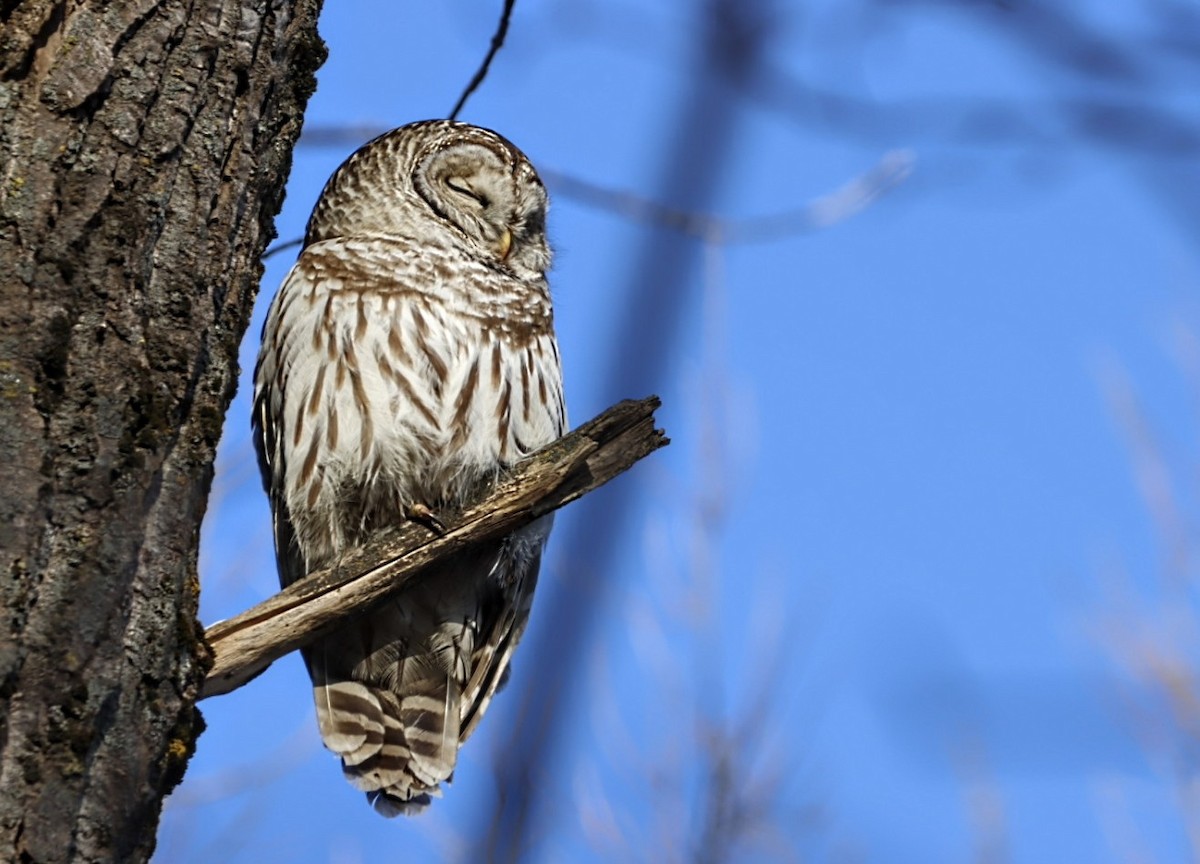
x=143, y=152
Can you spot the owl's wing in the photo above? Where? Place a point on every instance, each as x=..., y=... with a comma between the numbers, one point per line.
x=541, y=417
x=516, y=572
x=267, y=429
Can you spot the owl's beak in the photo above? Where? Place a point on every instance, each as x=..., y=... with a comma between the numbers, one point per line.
x=504, y=244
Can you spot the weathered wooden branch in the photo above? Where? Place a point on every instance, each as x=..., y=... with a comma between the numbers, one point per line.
x=569, y=468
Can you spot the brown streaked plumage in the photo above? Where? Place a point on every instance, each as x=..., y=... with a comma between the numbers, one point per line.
x=409, y=357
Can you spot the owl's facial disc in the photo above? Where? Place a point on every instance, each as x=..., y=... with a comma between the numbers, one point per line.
x=499, y=207
x=469, y=186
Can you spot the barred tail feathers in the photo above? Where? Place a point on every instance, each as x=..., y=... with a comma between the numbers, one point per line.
x=398, y=747
x=400, y=688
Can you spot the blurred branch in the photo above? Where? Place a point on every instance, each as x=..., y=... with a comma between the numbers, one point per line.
x=482, y=71
x=282, y=247
x=892, y=169
x=986, y=813
x=694, y=158
x=717, y=782
x=1151, y=472
x=852, y=197
x=556, y=475
x=1152, y=627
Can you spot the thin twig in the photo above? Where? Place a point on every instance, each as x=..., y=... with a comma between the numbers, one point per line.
x=482, y=71
x=556, y=475
x=859, y=192
x=282, y=247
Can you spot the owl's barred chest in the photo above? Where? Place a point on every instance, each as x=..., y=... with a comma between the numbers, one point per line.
x=429, y=388
x=401, y=397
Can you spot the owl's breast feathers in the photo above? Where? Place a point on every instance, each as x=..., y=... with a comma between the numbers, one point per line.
x=394, y=373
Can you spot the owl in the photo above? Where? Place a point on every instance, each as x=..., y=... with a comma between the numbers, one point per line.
x=408, y=358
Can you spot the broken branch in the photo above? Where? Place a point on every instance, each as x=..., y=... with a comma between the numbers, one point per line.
x=557, y=474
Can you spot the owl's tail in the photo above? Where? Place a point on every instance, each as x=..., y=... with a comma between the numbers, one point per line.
x=396, y=747
x=399, y=688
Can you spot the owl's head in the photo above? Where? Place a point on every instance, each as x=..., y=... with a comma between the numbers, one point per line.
x=441, y=181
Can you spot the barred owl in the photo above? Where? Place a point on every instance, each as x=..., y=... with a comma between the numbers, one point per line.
x=408, y=358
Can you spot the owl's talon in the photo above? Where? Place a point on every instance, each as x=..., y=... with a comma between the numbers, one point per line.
x=422, y=515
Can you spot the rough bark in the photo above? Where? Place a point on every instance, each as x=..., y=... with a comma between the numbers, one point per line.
x=556, y=475
x=144, y=147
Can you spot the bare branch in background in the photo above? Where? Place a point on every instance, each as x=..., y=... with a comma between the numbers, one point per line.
x=854, y=196
x=282, y=247
x=556, y=475
x=481, y=72
x=984, y=799
x=351, y=133
x=1151, y=628
x=722, y=784
x=1151, y=472
x=693, y=160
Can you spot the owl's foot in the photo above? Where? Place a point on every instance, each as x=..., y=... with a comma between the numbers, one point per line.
x=422, y=515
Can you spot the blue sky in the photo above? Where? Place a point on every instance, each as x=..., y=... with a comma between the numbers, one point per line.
x=899, y=511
